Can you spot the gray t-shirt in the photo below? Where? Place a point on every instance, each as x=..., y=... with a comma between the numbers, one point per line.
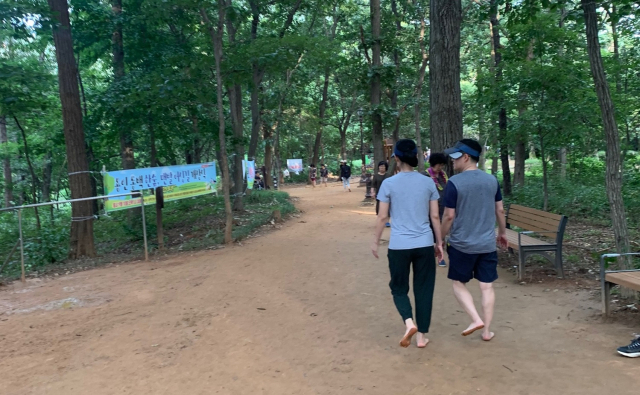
x=409, y=194
x=473, y=194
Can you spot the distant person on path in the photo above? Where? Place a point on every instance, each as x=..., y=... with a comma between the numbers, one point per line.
x=473, y=205
x=313, y=172
x=380, y=176
x=324, y=175
x=632, y=350
x=345, y=174
x=437, y=163
x=414, y=204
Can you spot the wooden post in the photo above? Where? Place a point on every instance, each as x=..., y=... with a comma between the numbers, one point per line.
x=21, y=245
x=159, y=207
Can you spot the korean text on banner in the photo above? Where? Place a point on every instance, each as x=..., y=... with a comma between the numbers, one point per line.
x=177, y=182
x=295, y=165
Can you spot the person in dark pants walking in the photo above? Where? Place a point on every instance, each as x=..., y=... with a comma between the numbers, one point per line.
x=413, y=199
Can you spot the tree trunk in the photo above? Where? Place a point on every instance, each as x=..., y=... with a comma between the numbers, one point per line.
x=47, y=178
x=81, y=240
x=237, y=122
x=323, y=108
x=34, y=178
x=256, y=115
x=521, y=138
x=268, y=156
x=444, y=74
x=6, y=163
x=545, y=177
x=613, y=179
x=417, y=115
x=235, y=102
x=562, y=158
x=502, y=113
x=126, y=140
x=376, y=111
x=152, y=141
x=216, y=38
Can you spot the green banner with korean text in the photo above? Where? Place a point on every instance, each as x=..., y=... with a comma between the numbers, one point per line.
x=177, y=182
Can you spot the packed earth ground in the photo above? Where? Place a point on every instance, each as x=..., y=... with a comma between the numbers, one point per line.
x=302, y=309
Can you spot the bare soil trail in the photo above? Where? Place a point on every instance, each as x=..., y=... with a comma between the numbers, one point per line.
x=305, y=309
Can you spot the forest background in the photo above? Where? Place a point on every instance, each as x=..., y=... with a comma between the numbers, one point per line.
x=122, y=84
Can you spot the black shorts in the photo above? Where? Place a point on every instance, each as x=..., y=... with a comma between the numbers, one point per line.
x=463, y=267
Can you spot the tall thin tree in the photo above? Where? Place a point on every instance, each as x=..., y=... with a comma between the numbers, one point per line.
x=376, y=110
x=216, y=37
x=613, y=173
x=81, y=241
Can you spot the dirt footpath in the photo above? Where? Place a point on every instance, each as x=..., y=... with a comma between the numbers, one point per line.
x=305, y=309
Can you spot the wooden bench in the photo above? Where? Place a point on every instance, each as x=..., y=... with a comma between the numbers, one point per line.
x=625, y=278
x=535, y=222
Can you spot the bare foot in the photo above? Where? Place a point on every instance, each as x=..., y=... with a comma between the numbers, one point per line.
x=472, y=328
x=406, y=340
x=488, y=336
x=421, y=340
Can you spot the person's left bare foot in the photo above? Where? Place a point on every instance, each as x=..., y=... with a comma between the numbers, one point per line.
x=406, y=340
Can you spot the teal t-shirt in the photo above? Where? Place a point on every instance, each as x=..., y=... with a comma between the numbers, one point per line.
x=409, y=194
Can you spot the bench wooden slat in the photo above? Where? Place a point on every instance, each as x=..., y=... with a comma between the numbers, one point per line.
x=528, y=217
x=532, y=227
x=625, y=279
x=517, y=207
x=512, y=238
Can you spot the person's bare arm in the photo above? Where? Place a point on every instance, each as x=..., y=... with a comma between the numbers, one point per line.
x=381, y=220
x=435, y=224
x=502, y=225
x=447, y=221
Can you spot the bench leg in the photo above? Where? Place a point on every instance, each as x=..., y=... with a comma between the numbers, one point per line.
x=559, y=267
x=521, y=260
x=606, y=294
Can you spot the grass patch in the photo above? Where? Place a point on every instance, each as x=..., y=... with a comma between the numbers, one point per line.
x=188, y=224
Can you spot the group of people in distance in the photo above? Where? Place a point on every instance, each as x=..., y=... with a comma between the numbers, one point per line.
x=423, y=211
x=345, y=174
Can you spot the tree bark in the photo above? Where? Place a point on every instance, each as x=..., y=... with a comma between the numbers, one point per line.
x=6, y=163
x=34, y=178
x=417, y=115
x=268, y=155
x=216, y=38
x=258, y=73
x=376, y=111
x=521, y=139
x=502, y=113
x=237, y=123
x=47, y=178
x=321, y=114
x=444, y=74
x=126, y=140
x=613, y=176
x=81, y=240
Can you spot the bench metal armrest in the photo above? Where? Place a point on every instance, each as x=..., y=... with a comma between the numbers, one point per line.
x=528, y=232
x=616, y=255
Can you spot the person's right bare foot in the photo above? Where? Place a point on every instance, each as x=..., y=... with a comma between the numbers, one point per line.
x=421, y=340
x=406, y=340
x=472, y=328
x=488, y=336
